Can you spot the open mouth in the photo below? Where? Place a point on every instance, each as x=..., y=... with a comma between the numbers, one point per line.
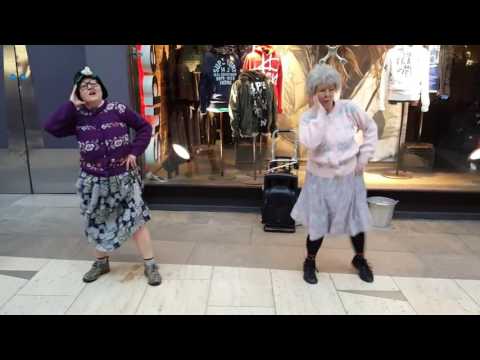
x=92, y=93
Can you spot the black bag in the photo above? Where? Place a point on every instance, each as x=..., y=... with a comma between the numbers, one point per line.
x=280, y=191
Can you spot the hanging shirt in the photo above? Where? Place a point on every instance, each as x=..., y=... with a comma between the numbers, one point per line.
x=405, y=76
x=434, y=51
x=265, y=59
x=219, y=72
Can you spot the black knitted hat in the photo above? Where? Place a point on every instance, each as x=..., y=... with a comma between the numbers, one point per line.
x=87, y=73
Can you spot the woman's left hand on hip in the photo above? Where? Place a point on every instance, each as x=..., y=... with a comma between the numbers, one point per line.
x=131, y=162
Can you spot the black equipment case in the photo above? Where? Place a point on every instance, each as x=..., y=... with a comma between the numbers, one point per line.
x=280, y=190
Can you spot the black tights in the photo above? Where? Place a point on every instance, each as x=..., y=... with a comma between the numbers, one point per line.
x=358, y=242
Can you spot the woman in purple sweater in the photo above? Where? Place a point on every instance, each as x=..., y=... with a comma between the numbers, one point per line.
x=109, y=184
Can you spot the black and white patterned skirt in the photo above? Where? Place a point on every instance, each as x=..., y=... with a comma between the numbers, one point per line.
x=113, y=208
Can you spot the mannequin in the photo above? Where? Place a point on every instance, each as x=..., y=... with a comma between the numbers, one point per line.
x=405, y=79
x=405, y=76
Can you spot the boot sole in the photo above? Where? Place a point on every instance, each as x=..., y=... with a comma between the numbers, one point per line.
x=365, y=280
x=310, y=282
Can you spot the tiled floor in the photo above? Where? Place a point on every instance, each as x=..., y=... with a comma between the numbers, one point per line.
x=57, y=288
x=224, y=263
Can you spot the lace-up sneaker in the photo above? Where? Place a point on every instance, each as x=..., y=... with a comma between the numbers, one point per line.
x=98, y=269
x=309, y=270
x=364, y=271
x=152, y=274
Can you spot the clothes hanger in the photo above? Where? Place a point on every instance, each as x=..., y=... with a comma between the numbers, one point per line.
x=333, y=51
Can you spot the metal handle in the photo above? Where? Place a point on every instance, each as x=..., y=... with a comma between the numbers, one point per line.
x=278, y=131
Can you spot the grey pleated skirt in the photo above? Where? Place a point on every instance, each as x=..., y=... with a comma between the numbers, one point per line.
x=333, y=206
x=112, y=207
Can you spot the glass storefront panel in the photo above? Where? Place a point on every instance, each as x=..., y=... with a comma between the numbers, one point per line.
x=31, y=160
x=185, y=91
x=14, y=160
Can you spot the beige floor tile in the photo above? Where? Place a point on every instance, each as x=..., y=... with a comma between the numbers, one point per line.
x=241, y=287
x=176, y=297
x=436, y=296
x=472, y=241
x=160, y=218
x=356, y=304
x=21, y=213
x=437, y=226
x=39, y=246
x=9, y=286
x=451, y=266
x=59, y=201
x=11, y=263
x=6, y=200
x=40, y=227
x=353, y=282
x=293, y=296
x=222, y=218
x=221, y=254
x=462, y=227
x=419, y=226
x=386, y=241
x=336, y=242
x=58, y=277
x=395, y=263
x=277, y=257
x=185, y=272
x=226, y=233
x=262, y=238
x=472, y=288
x=334, y=260
x=223, y=310
x=434, y=244
x=37, y=305
x=118, y=292
x=166, y=252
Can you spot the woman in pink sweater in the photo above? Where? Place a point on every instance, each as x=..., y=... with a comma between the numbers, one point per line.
x=334, y=199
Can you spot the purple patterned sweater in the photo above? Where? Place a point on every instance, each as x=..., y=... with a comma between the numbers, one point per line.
x=102, y=135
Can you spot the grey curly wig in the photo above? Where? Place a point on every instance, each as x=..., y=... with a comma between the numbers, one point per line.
x=323, y=75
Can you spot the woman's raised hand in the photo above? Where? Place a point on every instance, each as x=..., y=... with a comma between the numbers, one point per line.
x=74, y=99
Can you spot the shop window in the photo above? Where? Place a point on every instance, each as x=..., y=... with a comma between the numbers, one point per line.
x=185, y=91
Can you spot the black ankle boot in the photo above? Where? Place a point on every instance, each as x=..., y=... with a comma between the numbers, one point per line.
x=309, y=270
x=364, y=270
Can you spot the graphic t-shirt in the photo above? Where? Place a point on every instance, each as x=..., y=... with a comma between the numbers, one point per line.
x=406, y=76
x=434, y=51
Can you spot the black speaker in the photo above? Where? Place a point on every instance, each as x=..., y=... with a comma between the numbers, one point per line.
x=279, y=196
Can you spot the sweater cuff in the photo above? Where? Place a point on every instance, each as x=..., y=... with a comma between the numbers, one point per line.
x=70, y=105
x=363, y=159
x=136, y=151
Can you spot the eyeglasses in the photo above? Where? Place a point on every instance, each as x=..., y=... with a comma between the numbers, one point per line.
x=88, y=84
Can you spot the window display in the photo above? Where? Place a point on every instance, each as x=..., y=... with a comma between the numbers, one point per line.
x=214, y=101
